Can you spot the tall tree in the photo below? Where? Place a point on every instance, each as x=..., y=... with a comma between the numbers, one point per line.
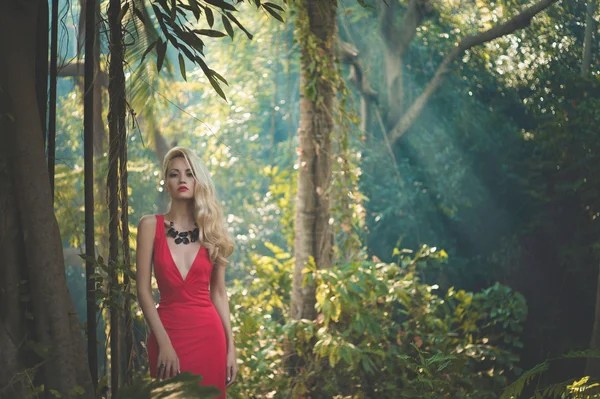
x=51, y=148
x=397, y=27
x=88, y=158
x=590, y=27
x=116, y=123
x=316, y=27
x=592, y=366
x=32, y=245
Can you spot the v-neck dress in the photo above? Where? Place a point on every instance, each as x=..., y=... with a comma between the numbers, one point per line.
x=188, y=314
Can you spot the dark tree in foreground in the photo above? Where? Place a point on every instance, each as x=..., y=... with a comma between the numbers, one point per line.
x=40, y=329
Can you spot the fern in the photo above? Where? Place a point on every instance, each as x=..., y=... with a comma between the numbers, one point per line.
x=555, y=390
x=515, y=389
x=587, y=353
x=572, y=388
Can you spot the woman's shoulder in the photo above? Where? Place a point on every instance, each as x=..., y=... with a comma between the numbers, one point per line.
x=147, y=222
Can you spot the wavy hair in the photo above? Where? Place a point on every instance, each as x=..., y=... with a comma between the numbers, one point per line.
x=208, y=212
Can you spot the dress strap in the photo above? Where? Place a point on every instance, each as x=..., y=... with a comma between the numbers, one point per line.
x=160, y=227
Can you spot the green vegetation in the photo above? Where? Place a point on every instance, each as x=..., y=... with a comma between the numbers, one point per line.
x=464, y=245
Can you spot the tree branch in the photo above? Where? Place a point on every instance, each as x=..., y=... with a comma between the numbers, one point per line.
x=411, y=20
x=76, y=69
x=398, y=38
x=386, y=20
x=348, y=54
x=520, y=21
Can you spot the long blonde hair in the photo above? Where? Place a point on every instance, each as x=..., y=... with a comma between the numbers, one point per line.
x=208, y=212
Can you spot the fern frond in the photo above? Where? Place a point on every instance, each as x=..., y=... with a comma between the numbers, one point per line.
x=587, y=353
x=515, y=389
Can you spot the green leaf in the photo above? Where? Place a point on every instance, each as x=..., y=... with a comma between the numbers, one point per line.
x=173, y=9
x=221, y=4
x=123, y=11
x=210, y=18
x=209, y=32
x=234, y=19
x=227, y=25
x=275, y=6
x=87, y=258
x=215, y=85
x=182, y=66
x=161, y=49
x=210, y=75
x=364, y=4
x=77, y=390
x=273, y=13
x=221, y=78
x=195, y=9
x=148, y=50
x=139, y=14
x=515, y=389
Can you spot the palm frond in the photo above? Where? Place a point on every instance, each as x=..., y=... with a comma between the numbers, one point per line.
x=144, y=79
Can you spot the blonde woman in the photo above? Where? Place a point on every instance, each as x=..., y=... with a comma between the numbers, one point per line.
x=188, y=246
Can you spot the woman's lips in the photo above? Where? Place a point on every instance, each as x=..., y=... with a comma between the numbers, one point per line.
x=182, y=189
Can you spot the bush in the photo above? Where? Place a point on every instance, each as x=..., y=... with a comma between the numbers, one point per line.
x=379, y=333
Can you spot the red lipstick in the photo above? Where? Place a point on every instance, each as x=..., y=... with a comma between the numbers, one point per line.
x=182, y=188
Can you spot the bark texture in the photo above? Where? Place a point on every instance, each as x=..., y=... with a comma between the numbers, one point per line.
x=89, y=111
x=313, y=235
x=55, y=326
x=590, y=27
x=592, y=365
x=13, y=328
x=116, y=125
x=400, y=116
x=520, y=21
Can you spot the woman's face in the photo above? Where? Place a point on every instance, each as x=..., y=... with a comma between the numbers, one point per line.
x=180, y=181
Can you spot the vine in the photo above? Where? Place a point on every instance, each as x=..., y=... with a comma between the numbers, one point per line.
x=347, y=212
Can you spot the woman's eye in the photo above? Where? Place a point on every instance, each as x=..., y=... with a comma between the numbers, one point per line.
x=189, y=175
x=173, y=175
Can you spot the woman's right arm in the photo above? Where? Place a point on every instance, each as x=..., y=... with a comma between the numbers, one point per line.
x=145, y=242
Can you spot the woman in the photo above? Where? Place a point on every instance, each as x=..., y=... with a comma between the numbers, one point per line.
x=189, y=246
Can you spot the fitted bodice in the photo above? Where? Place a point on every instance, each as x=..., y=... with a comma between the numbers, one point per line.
x=176, y=293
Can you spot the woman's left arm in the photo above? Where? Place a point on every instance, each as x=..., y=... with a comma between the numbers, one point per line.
x=218, y=295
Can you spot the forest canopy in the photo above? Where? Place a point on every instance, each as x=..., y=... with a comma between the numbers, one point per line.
x=410, y=186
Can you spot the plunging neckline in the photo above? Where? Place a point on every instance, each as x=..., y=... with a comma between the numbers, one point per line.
x=183, y=279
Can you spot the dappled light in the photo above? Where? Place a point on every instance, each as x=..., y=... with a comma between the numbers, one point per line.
x=410, y=187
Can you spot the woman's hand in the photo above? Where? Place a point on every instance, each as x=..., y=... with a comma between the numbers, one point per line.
x=168, y=362
x=231, y=367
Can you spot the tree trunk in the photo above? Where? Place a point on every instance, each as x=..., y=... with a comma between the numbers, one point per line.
x=13, y=328
x=41, y=60
x=313, y=234
x=396, y=41
x=56, y=327
x=51, y=148
x=590, y=25
x=100, y=84
x=592, y=366
x=400, y=117
x=116, y=123
x=88, y=157
x=125, y=243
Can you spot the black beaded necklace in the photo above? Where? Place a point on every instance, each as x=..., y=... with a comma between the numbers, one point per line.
x=183, y=236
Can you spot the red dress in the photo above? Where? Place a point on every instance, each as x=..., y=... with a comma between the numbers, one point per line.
x=188, y=315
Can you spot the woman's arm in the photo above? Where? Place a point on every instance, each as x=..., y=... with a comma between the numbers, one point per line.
x=218, y=295
x=168, y=363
